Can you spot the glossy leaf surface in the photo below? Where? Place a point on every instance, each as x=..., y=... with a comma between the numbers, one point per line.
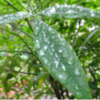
x=69, y=11
x=13, y=17
x=60, y=59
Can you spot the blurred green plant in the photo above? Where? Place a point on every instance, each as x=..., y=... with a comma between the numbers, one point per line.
x=49, y=63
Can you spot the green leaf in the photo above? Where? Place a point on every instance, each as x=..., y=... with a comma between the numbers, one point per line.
x=90, y=35
x=92, y=74
x=69, y=11
x=60, y=59
x=13, y=17
x=92, y=86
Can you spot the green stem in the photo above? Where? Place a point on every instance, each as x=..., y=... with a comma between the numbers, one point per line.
x=29, y=24
x=22, y=31
x=22, y=72
x=14, y=51
x=11, y=5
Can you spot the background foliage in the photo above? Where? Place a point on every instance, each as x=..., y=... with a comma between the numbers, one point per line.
x=21, y=71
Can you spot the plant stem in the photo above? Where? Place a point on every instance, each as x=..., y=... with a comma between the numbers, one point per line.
x=22, y=72
x=54, y=87
x=14, y=51
x=22, y=31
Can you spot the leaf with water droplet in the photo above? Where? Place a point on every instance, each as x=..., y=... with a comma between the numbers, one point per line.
x=69, y=11
x=60, y=59
x=8, y=18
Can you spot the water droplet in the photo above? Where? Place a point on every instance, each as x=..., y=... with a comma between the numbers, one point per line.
x=43, y=33
x=77, y=72
x=50, y=29
x=37, y=30
x=79, y=95
x=41, y=52
x=53, y=49
x=51, y=53
x=47, y=40
x=60, y=76
x=76, y=87
x=56, y=63
x=52, y=45
x=53, y=10
x=60, y=50
x=53, y=37
x=63, y=67
x=70, y=61
x=65, y=54
x=70, y=47
x=56, y=55
x=59, y=36
x=37, y=44
x=92, y=13
x=61, y=41
x=69, y=80
x=45, y=60
x=64, y=76
x=45, y=47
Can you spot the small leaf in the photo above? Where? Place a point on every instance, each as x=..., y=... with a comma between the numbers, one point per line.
x=60, y=59
x=69, y=11
x=92, y=86
x=13, y=17
x=92, y=74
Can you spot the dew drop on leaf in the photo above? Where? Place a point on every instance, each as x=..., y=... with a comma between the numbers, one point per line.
x=42, y=52
x=60, y=50
x=45, y=60
x=76, y=87
x=65, y=54
x=60, y=76
x=37, y=44
x=52, y=45
x=56, y=63
x=45, y=47
x=56, y=55
x=53, y=49
x=70, y=61
x=63, y=67
x=77, y=72
x=79, y=95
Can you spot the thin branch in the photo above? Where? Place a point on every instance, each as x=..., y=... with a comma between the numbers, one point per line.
x=14, y=51
x=29, y=24
x=22, y=72
x=22, y=30
x=11, y=5
x=54, y=87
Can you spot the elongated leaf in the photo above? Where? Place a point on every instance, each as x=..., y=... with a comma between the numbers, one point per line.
x=69, y=11
x=60, y=59
x=90, y=35
x=13, y=17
